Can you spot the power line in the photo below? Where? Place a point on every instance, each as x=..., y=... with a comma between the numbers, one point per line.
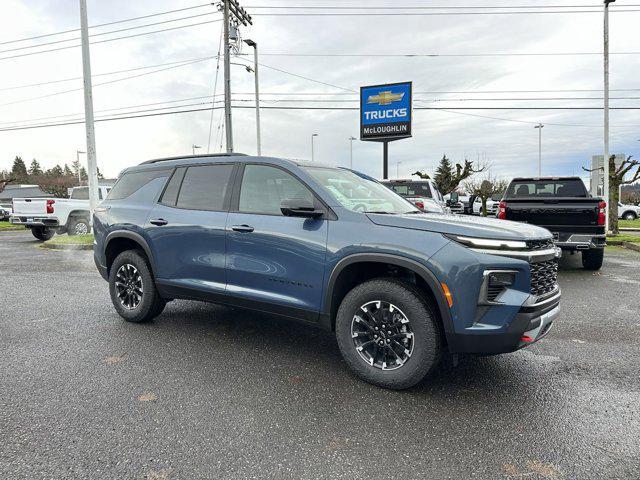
x=423, y=55
x=110, y=39
x=432, y=7
x=106, y=24
x=163, y=22
x=430, y=14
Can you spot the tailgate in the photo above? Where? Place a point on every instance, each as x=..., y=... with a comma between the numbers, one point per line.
x=29, y=206
x=556, y=212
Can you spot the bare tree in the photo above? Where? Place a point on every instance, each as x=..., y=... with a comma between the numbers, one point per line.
x=616, y=179
x=485, y=189
x=448, y=178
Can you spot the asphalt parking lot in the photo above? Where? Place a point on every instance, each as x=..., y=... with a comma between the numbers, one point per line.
x=210, y=392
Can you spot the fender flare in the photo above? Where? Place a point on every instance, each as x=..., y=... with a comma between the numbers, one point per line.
x=416, y=267
x=136, y=237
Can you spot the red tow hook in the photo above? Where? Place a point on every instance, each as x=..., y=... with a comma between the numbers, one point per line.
x=526, y=339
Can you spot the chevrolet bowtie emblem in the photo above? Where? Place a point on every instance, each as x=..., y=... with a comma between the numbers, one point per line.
x=385, y=98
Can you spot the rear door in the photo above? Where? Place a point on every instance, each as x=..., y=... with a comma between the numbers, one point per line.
x=186, y=229
x=274, y=262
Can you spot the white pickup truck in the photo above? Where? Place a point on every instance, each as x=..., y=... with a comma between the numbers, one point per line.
x=48, y=216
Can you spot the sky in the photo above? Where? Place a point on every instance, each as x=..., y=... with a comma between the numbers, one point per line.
x=508, y=142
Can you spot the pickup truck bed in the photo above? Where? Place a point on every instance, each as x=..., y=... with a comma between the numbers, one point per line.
x=564, y=207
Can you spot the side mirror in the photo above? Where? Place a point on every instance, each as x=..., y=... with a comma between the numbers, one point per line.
x=455, y=197
x=299, y=207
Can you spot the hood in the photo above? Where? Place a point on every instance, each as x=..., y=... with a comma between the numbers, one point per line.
x=463, y=225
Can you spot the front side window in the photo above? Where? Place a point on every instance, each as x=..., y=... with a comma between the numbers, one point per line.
x=205, y=187
x=264, y=188
x=360, y=193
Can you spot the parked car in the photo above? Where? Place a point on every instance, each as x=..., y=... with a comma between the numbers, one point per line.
x=5, y=212
x=628, y=212
x=48, y=216
x=422, y=193
x=563, y=206
x=492, y=205
x=399, y=287
x=456, y=202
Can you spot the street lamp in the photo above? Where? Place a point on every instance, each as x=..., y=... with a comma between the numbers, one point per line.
x=312, y=152
x=351, y=139
x=193, y=148
x=539, y=127
x=253, y=44
x=78, y=152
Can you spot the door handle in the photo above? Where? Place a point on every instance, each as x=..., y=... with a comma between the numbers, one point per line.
x=242, y=228
x=158, y=221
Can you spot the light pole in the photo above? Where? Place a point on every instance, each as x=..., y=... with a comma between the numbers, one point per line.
x=193, y=148
x=253, y=44
x=539, y=127
x=606, y=112
x=312, y=152
x=351, y=139
x=78, y=152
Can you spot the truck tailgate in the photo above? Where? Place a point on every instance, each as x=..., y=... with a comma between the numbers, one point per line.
x=29, y=206
x=554, y=212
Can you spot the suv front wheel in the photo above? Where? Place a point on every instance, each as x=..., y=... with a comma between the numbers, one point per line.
x=388, y=334
x=132, y=288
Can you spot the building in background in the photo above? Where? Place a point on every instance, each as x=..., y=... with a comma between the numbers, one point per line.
x=596, y=180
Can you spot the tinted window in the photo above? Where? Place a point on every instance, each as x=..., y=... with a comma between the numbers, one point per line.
x=170, y=194
x=133, y=181
x=263, y=189
x=547, y=188
x=205, y=187
x=80, y=193
x=411, y=189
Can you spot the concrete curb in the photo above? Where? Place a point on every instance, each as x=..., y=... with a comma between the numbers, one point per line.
x=16, y=229
x=65, y=246
x=626, y=229
x=631, y=246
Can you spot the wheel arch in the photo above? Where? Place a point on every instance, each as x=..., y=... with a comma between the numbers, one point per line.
x=121, y=240
x=356, y=268
x=84, y=214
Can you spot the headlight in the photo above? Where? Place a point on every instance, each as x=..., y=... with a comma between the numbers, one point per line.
x=488, y=243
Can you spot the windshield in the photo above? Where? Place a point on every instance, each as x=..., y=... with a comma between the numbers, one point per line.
x=359, y=193
x=410, y=189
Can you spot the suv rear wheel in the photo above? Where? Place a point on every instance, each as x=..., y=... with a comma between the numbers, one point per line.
x=132, y=288
x=388, y=334
x=592, y=259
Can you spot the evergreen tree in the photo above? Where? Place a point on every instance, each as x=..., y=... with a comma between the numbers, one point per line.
x=83, y=174
x=19, y=171
x=75, y=166
x=444, y=174
x=67, y=172
x=55, y=172
x=34, y=169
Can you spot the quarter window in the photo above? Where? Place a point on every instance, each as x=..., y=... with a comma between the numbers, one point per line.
x=264, y=188
x=205, y=187
x=134, y=181
x=170, y=195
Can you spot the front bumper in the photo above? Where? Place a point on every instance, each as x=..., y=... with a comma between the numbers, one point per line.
x=34, y=221
x=532, y=322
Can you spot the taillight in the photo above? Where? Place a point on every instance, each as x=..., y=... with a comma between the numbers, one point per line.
x=50, y=206
x=420, y=205
x=502, y=211
x=602, y=212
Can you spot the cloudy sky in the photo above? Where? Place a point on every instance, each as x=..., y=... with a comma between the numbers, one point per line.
x=570, y=137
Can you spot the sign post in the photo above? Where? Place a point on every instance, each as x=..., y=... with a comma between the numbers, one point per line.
x=385, y=116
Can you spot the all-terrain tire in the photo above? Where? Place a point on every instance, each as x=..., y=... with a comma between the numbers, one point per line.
x=43, y=233
x=423, y=323
x=592, y=259
x=150, y=304
x=78, y=226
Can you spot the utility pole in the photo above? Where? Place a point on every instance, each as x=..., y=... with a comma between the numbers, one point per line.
x=351, y=139
x=92, y=163
x=253, y=44
x=78, y=152
x=539, y=127
x=312, y=151
x=231, y=11
x=193, y=148
x=606, y=112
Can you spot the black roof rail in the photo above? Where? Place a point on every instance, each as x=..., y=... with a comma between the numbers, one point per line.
x=185, y=157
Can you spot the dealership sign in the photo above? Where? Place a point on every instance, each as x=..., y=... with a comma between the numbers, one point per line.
x=385, y=112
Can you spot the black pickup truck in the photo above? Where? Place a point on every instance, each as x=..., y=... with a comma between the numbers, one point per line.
x=563, y=206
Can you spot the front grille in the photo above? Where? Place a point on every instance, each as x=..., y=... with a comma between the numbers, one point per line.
x=544, y=277
x=539, y=244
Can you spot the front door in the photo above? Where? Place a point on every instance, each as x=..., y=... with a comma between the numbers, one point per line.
x=187, y=230
x=272, y=258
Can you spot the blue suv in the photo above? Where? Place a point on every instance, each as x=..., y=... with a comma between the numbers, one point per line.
x=330, y=247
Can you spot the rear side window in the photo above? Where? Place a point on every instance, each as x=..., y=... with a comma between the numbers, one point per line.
x=133, y=181
x=205, y=187
x=547, y=188
x=80, y=193
x=170, y=195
